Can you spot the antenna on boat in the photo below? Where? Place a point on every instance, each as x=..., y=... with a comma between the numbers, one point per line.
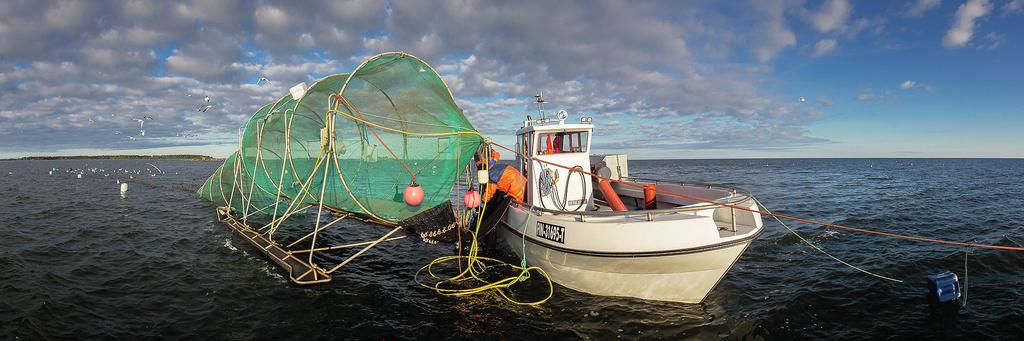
x=540, y=104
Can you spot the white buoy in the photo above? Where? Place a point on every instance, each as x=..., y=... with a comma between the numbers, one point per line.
x=124, y=187
x=79, y=176
x=481, y=176
x=51, y=172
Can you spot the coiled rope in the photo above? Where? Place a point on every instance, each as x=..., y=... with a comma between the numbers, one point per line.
x=476, y=266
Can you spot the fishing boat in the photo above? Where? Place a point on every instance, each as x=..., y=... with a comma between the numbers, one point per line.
x=632, y=237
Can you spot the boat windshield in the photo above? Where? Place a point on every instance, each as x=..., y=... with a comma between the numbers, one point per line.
x=563, y=142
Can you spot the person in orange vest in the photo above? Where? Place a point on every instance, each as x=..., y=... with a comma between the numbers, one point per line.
x=506, y=179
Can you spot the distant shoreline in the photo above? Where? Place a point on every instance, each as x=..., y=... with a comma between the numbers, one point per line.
x=189, y=157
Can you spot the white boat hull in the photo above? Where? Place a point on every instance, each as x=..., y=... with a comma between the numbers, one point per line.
x=680, y=258
x=686, y=278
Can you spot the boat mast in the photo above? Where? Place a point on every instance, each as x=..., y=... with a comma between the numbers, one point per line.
x=540, y=104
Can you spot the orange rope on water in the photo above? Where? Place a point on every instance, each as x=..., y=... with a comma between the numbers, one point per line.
x=783, y=216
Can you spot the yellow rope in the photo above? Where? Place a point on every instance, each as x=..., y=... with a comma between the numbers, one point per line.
x=476, y=265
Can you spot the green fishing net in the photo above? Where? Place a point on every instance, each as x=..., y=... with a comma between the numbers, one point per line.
x=351, y=142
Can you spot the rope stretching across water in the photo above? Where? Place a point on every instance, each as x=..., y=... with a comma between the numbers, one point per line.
x=823, y=251
x=782, y=216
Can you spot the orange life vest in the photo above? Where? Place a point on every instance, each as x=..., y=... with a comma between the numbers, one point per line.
x=512, y=183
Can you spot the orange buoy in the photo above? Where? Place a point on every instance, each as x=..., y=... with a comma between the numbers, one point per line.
x=471, y=199
x=413, y=194
x=650, y=196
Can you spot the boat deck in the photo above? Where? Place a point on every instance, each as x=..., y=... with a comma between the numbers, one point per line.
x=725, y=230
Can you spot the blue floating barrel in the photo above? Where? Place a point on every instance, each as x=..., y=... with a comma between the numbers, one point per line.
x=944, y=286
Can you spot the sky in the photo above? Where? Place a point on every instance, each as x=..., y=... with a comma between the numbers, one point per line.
x=661, y=79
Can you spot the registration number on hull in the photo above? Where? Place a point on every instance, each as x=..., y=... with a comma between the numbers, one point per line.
x=550, y=232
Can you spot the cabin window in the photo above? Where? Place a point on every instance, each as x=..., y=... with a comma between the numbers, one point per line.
x=523, y=148
x=523, y=144
x=563, y=142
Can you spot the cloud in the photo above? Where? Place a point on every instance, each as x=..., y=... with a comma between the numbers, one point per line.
x=68, y=15
x=773, y=35
x=889, y=96
x=823, y=47
x=713, y=132
x=224, y=12
x=994, y=40
x=964, y=22
x=143, y=36
x=909, y=84
x=1013, y=6
x=826, y=101
x=832, y=16
x=874, y=26
x=918, y=8
x=271, y=17
x=209, y=56
x=67, y=66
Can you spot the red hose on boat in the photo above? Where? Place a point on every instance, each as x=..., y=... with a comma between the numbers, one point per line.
x=610, y=196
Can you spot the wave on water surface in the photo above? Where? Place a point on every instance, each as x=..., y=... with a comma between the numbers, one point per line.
x=81, y=262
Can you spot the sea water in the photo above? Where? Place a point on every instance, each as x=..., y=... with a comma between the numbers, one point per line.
x=79, y=261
